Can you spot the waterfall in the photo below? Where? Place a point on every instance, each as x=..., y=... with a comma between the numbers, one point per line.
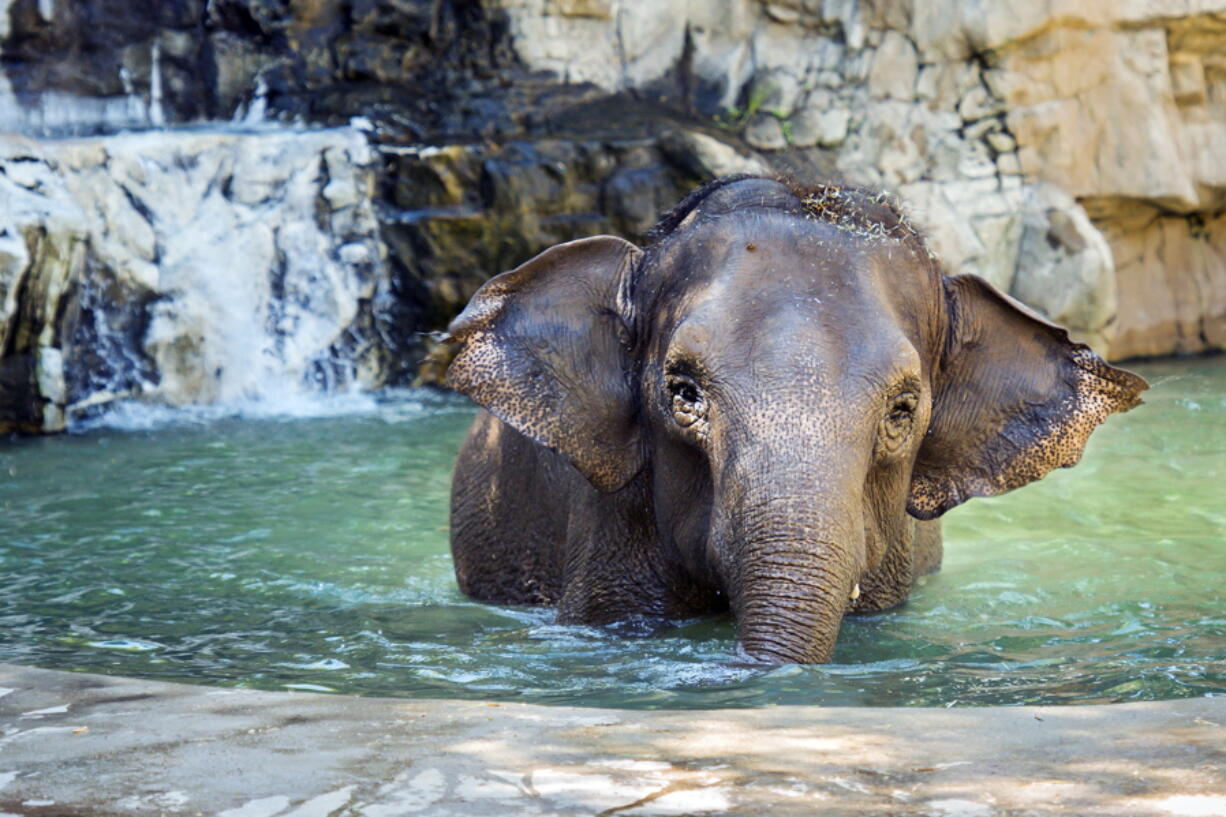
x=157, y=117
x=209, y=267
x=255, y=110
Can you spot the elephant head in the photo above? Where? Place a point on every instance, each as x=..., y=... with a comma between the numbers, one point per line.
x=786, y=382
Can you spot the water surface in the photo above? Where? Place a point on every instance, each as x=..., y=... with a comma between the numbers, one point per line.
x=310, y=552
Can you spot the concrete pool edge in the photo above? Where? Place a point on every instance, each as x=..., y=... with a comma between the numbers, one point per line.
x=73, y=743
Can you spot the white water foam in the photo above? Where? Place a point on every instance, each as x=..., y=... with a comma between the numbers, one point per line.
x=391, y=406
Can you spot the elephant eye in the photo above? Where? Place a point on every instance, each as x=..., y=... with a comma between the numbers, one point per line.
x=902, y=407
x=898, y=422
x=686, y=392
x=687, y=402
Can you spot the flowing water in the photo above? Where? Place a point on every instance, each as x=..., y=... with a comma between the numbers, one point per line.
x=309, y=551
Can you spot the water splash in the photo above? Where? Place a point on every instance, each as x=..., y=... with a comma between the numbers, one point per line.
x=254, y=111
x=157, y=116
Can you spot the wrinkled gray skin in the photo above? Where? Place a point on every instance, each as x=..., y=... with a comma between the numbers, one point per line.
x=753, y=414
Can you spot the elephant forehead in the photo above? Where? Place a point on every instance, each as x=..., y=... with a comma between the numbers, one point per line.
x=781, y=288
x=745, y=278
x=760, y=255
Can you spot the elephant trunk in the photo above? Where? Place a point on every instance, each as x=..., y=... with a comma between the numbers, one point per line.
x=796, y=562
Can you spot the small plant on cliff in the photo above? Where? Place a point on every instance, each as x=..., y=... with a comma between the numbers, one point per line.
x=735, y=118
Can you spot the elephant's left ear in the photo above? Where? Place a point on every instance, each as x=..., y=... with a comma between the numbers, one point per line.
x=1013, y=398
x=546, y=350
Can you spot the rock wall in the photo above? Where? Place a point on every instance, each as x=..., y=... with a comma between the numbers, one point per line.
x=193, y=267
x=1074, y=153
x=455, y=215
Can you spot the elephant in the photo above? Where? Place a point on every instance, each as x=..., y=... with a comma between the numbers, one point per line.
x=763, y=410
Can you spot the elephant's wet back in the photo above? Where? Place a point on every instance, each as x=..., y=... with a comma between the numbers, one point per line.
x=311, y=553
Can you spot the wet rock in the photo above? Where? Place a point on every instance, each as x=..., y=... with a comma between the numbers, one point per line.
x=98, y=66
x=634, y=197
x=464, y=213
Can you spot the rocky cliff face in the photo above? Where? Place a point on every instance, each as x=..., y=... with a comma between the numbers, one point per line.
x=1072, y=153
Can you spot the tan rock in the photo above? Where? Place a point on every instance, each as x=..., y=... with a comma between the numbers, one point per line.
x=1071, y=93
x=1109, y=100
x=781, y=13
x=1009, y=164
x=1188, y=79
x=651, y=44
x=596, y=9
x=832, y=126
x=975, y=163
x=972, y=226
x=978, y=103
x=895, y=68
x=1001, y=142
x=942, y=85
x=949, y=30
x=1171, y=277
x=980, y=129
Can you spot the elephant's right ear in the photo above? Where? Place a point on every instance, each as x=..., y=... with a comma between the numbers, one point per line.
x=546, y=350
x=1015, y=398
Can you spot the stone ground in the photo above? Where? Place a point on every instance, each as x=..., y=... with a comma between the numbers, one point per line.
x=76, y=744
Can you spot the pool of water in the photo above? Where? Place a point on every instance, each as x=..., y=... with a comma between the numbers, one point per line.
x=310, y=552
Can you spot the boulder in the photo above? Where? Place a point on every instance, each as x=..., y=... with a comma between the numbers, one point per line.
x=1065, y=268
x=765, y=132
x=706, y=157
x=775, y=92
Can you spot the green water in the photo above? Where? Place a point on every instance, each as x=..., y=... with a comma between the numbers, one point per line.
x=311, y=553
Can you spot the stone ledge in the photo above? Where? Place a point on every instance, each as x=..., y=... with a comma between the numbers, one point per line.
x=87, y=744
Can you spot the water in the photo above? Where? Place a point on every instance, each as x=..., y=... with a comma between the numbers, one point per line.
x=310, y=552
